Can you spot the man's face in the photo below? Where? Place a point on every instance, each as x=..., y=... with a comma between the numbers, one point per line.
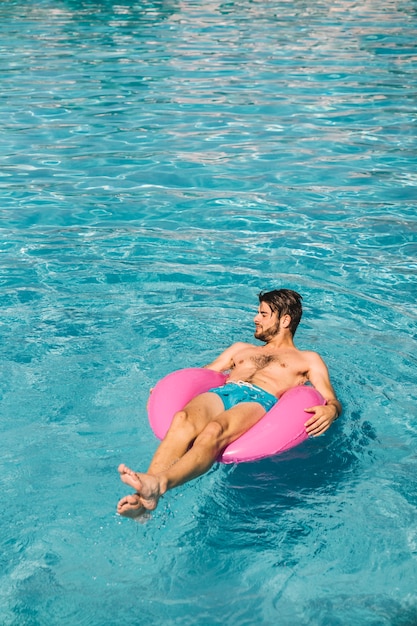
x=266, y=323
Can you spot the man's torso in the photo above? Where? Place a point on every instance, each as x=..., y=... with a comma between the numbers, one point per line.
x=274, y=370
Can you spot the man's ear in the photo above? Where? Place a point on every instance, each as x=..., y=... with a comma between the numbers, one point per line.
x=285, y=321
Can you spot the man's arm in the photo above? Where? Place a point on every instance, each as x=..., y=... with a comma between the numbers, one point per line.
x=323, y=416
x=226, y=360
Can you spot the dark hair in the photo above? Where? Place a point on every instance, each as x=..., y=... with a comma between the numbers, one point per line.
x=284, y=302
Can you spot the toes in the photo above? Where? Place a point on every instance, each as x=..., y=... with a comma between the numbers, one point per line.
x=133, y=501
x=131, y=506
x=129, y=502
x=130, y=478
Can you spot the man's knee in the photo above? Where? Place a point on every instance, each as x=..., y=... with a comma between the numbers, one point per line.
x=182, y=422
x=211, y=436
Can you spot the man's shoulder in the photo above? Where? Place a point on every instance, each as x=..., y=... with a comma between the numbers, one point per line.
x=311, y=356
x=234, y=348
x=311, y=353
x=241, y=345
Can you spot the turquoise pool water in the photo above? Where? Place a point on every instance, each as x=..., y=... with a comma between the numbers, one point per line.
x=161, y=163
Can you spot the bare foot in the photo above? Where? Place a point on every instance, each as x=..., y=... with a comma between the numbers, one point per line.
x=129, y=477
x=131, y=506
x=148, y=489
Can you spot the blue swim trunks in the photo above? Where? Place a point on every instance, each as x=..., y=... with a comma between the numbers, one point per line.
x=234, y=392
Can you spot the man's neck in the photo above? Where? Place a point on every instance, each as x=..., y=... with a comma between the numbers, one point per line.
x=282, y=340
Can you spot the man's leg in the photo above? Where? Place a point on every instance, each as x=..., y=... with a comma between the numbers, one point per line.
x=217, y=434
x=185, y=427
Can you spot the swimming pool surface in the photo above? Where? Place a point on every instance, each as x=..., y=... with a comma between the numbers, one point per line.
x=161, y=163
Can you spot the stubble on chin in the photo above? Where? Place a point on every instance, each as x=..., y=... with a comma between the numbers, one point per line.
x=263, y=336
x=267, y=335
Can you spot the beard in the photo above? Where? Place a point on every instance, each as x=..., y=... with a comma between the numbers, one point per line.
x=267, y=335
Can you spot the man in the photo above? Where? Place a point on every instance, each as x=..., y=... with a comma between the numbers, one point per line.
x=214, y=419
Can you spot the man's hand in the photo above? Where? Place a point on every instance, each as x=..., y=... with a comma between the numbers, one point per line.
x=323, y=418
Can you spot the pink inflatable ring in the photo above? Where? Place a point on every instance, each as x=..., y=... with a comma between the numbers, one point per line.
x=280, y=429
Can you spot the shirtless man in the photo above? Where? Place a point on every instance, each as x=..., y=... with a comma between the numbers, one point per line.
x=212, y=420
